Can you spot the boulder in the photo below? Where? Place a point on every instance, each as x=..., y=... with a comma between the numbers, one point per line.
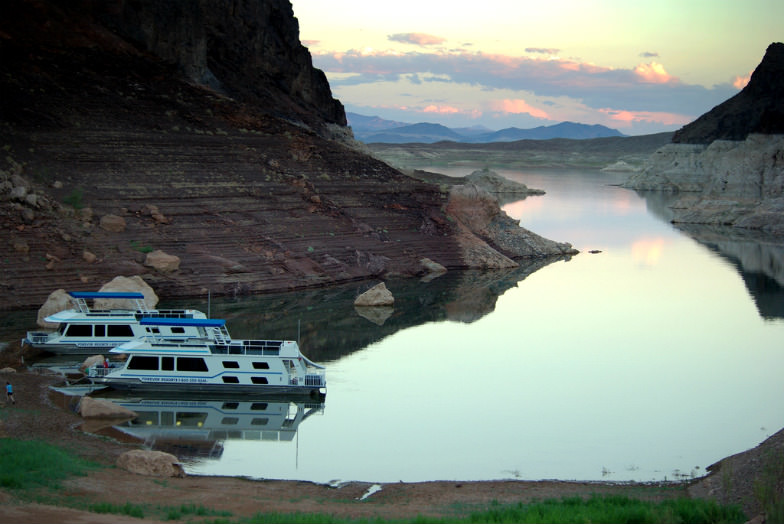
x=57, y=301
x=129, y=284
x=162, y=261
x=494, y=183
x=112, y=223
x=90, y=407
x=433, y=268
x=91, y=361
x=378, y=295
x=7, y=370
x=375, y=314
x=151, y=463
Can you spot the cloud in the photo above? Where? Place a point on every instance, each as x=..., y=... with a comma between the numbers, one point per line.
x=649, y=54
x=643, y=95
x=741, y=81
x=517, y=106
x=421, y=39
x=654, y=73
x=543, y=50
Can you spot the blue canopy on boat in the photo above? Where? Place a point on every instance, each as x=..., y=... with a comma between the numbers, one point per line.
x=105, y=294
x=198, y=322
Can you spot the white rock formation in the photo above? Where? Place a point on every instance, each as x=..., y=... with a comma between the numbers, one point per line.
x=378, y=295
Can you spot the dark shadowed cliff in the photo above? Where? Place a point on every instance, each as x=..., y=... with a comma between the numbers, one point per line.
x=758, y=108
x=198, y=130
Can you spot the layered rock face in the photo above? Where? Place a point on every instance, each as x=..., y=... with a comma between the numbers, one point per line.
x=731, y=158
x=190, y=143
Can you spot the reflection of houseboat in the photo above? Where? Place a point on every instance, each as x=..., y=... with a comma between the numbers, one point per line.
x=211, y=363
x=167, y=422
x=83, y=330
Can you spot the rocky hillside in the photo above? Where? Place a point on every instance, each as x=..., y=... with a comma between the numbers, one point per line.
x=731, y=159
x=192, y=143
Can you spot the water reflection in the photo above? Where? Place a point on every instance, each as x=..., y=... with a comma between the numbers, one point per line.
x=197, y=428
x=757, y=256
x=330, y=327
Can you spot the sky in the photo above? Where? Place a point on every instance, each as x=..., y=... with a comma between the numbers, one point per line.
x=638, y=66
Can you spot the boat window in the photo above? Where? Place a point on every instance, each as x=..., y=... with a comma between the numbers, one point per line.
x=143, y=362
x=229, y=420
x=191, y=419
x=145, y=419
x=167, y=363
x=231, y=380
x=153, y=330
x=258, y=406
x=230, y=405
x=230, y=364
x=191, y=364
x=100, y=330
x=119, y=330
x=79, y=330
x=260, y=365
x=259, y=421
x=167, y=418
x=259, y=380
x=178, y=330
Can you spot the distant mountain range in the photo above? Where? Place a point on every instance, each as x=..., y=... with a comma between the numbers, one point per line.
x=372, y=129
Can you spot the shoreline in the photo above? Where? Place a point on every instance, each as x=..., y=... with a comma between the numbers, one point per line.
x=36, y=415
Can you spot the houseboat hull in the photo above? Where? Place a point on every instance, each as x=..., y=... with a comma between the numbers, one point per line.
x=209, y=390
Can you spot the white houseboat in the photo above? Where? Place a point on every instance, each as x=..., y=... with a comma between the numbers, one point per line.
x=86, y=331
x=210, y=363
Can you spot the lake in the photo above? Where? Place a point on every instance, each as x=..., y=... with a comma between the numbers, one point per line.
x=648, y=360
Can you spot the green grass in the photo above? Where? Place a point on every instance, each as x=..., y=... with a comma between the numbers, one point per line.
x=603, y=509
x=28, y=464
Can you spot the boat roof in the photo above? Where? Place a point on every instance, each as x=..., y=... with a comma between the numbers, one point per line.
x=184, y=322
x=105, y=294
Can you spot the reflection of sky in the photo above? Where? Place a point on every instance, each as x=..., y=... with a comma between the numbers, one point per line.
x=642, y=362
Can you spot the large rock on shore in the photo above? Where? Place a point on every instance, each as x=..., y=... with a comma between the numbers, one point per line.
x=90, y=407
x=151, y=463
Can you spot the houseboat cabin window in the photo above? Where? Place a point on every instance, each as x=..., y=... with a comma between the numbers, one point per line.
x=177, y=330
x=229, y=421
x=119, y=330
x=231, y=380
x=259, y=421
x=193, y=420
x=167, y=363
x=153, y=330
x=230, y=364
x=259, y=380
x=79, y=330
x=191, y=364
x=143, y=362
x=260, y=365
x=258, y=406
x=230, y=405
x=100, y=330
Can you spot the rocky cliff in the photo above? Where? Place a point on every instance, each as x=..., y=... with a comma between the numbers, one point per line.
x=731, y=159
x=193, y=143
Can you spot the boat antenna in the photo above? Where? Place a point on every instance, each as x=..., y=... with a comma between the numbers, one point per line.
x=209, y=302
x=298, y=323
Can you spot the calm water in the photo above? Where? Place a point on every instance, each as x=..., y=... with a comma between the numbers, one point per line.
x=650, y=360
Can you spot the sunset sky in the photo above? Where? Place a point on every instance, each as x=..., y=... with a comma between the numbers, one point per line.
x=636, y=66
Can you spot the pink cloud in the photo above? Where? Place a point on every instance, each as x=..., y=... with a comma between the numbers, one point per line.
x=630, y=117
x=442, y=110
x=654, y=73
x=518, y=106
x=741, y=81
x=416, y=38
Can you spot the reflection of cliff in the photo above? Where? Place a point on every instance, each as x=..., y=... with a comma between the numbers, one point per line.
x=329, y=326
x=759, y=259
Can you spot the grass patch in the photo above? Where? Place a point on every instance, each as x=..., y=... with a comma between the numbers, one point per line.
x=606, y=509
x=186, y=510
x=27, y=464
x=142, y=249
x=74, y=199
x=132, y=510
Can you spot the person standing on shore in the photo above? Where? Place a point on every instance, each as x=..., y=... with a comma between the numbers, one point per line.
x=9, y=392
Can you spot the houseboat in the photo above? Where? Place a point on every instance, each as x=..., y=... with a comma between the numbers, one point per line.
x=211, y=363
x=85, y=331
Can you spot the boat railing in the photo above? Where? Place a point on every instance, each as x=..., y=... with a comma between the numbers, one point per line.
x=314, y=379
x=99, y=371
x=80, y=304
x=248, y=347
x=37, y=337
